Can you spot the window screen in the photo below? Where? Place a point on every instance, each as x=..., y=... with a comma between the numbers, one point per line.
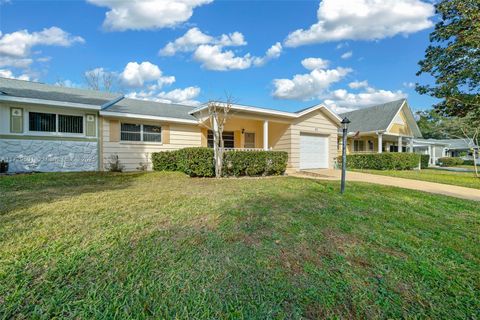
x=130, y=132
x=42, y=122
x=70, y=124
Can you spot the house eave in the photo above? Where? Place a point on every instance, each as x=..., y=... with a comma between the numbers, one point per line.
x=49, y=102
x=146, y=117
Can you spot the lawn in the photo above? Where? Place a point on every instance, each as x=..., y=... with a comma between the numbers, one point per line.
x=463, y=179
x=161, y=245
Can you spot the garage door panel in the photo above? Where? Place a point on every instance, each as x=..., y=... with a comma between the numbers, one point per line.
x=313, y=151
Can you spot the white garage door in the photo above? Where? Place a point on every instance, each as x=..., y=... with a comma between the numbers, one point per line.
x=313, y=151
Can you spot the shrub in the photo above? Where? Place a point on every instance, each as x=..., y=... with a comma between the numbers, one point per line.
x=383, y=161
x=450, y=161
x=199, y=162
x=254, y=163
x=468, y=162
x=424, y=161
x=114, y=164
x=165, y=161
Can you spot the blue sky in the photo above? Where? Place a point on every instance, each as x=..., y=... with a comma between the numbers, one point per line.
x=58, y=41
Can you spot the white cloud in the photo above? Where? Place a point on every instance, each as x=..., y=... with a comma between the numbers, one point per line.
x=138, y=74
x=146, y=14
x=21, y=63
x=18, y=44
x=211, y=53
x=347, y=55
x=182, y=96
x=214, y=58
x=5, y=73
x=315, y=63
x=409, y=85
x=364, y=20
x=343, y=101
x=311, y=85
x=195, y=37
x=358, y=84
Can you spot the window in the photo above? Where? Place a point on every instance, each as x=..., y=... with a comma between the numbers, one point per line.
x=249, y=140
x=358, y=145
x=370, y=145
x=42, y=122
x=70, y=124
x=228, y=139
x=140, y=132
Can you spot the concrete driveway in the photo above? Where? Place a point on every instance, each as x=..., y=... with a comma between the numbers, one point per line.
x=432, y=187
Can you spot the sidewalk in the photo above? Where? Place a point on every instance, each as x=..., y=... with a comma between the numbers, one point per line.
x=431, y=187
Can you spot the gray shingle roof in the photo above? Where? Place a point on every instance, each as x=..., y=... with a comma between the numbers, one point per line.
x=151, y=108
x=373, y=118
x=36, y=90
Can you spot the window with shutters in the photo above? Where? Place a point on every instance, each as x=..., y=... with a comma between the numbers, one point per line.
x=140, y=132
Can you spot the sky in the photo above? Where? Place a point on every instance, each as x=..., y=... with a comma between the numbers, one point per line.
x=286, y=55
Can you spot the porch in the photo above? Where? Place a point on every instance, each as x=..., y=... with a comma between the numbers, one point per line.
x=378, y=143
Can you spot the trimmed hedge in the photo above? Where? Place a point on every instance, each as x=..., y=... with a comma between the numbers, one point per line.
x=382, y=161
x=424, y=161
x=199, y=162
x=468, y=162
x=450, y=161
x=254, y=163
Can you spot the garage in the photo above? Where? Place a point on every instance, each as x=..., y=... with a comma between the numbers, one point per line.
x=313, y=151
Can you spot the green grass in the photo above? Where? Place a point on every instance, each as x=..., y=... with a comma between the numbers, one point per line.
x=161, y=245
x=463, y=179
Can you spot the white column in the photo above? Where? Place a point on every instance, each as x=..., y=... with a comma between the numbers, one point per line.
x=430, y=154
x=400, y=144
x=380, y=142
x=411, y=145
x=265, y=135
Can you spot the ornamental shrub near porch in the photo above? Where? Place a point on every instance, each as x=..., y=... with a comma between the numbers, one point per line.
x=383, y=161
x=198, y=162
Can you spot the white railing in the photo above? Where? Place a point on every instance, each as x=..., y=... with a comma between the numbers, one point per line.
x=244, y=149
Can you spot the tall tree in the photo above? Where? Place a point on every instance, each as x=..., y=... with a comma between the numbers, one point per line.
x=453, y=58
x=100, y=80
x=434, y=125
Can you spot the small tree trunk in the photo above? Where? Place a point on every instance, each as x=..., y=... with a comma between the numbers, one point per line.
x=475, y=168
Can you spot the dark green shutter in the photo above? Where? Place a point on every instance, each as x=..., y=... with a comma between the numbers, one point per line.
x=91, y=125
x=16, y=120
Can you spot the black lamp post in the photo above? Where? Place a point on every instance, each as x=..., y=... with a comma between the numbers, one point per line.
x=345, y=123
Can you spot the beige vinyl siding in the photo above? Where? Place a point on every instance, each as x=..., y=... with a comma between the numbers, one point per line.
x=132, y=153
x=283, y=141
x=314, y=123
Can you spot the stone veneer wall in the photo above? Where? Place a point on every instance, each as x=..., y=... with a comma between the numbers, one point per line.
x=49, y=156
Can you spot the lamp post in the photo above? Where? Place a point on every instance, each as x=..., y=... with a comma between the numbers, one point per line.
x=345, y=123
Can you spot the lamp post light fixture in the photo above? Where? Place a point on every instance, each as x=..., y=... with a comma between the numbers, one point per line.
x=344, y=123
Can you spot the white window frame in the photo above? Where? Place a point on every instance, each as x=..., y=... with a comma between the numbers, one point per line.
x=141, y=133
x=56, y=132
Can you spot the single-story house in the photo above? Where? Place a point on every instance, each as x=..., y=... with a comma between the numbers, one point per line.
x=51, y=128
x=388, y=127
x=438, y=148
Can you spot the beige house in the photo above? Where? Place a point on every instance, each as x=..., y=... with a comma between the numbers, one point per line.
x=50, y=128
x=388, y=127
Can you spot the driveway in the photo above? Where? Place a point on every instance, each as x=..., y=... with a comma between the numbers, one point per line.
x=432, y=187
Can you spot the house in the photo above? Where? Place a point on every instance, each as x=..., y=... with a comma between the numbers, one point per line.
x=51, y=128
x=438, y=148
x=388, y=127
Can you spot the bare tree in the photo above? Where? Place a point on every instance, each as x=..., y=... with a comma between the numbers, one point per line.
x=472, y=139
x=99, y=79
x=218, y=113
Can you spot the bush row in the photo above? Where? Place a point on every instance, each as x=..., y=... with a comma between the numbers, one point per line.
x=199, y=162
x=450, y=161
x=383, y=161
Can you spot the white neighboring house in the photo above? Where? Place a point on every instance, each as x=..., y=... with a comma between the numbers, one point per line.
x=438, y=148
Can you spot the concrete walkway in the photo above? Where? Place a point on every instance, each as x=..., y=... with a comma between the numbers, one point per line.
x=432, y=187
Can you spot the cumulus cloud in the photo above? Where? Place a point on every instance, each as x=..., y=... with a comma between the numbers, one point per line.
x=194, y=37
x=347, y=55
x=182, y=96
x=211, y=53
x=358, y=84
x=5, y=73
x=364, y=20
x=147, y=14
x=343, y=101
x=310, y=85
x=19, y=43
x=315, y=63
x=137, y=74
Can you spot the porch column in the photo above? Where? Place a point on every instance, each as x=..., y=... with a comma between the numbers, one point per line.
x=430, y=154
x=400, y=144
x=380, y=142
x=410, y=146
x=265, y=135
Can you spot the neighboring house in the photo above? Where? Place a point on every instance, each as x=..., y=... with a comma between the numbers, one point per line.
x=51, y=128
x=438, y=148
x=388, y=127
